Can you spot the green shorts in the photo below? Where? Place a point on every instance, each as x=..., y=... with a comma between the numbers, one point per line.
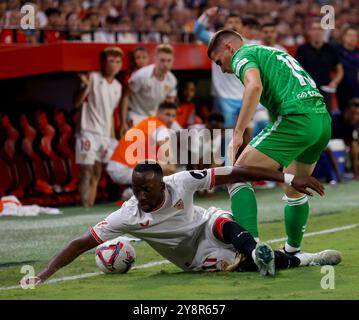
x=300, y=137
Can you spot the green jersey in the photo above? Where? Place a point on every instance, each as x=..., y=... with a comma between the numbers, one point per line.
x=287, y=87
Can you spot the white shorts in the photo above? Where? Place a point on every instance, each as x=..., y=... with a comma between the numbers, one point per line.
x=119, y=173
x=212, y=254
x=91, y=147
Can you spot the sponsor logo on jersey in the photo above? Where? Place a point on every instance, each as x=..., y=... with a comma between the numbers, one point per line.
x=144, y=225
x=198, y=174
x=179, y=204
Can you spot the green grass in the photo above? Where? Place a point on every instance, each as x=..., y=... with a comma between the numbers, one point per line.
x=33, y=240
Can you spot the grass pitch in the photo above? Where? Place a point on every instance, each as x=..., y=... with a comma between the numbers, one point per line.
x=32, y=241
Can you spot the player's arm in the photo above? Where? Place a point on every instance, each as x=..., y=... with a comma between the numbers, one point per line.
x=200, y=26
x=74, y=249
x=81, y=95
x=229, y=175
x=123, y=114
x=339, y=74
x=252, y=93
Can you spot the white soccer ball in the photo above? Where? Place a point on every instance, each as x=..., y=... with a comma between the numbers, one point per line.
x=115, y=256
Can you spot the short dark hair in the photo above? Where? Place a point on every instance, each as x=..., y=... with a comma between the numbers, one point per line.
x=149, y=165
x=348, y=27
x=233, y=15
x=268, y=24
x=219, y=37
x=353, y=103
x=52, y=11
x=167, y=105
x=250, y=21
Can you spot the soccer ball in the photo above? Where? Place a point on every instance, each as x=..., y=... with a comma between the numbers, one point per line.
x=115, y=256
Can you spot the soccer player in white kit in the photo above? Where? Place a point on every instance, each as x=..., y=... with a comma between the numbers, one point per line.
x=99, y=96
x=162, y=213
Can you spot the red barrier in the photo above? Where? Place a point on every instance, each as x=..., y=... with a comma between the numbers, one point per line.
x=20, y=60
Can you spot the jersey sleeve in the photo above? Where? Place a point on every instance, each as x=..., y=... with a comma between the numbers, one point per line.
x=113, y=226
x=135, y=82
x=242, y=63
x=195, y=180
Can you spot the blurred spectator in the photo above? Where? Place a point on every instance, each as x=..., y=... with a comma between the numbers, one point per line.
x=73, y=27
x=99, y=95
x=151, y=85
x=226, y=89
x=6, y=35
x=250, y=29
x=269, y=34
x=137, y=59
x=161, y=29
x=186, y=110
x=349, y=57
x=54, y=23
x=125, y=27
x=346, y=127
x=320, y=59
x=3, y=7
x=150, y=131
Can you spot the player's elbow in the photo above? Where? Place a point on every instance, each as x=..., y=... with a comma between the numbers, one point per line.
x=255, y=87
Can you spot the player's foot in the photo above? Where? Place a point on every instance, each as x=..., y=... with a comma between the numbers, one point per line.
x=326, y=257
x=264, y=259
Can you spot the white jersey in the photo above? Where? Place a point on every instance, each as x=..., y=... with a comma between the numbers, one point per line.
x=147, y=92
x=175, y=230
x=97, y=111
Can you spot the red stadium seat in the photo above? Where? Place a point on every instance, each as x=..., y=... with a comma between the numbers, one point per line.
x=39, y=166
x=18, y=165
x=6, y=179
x=66, y=149
x=57, y=165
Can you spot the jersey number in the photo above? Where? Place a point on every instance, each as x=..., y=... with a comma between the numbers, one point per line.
x=294, y=66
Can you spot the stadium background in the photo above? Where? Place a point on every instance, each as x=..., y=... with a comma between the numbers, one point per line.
x=38, y=73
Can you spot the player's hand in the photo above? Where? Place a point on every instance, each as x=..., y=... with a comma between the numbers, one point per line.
x=233, y=147
x=302, y=183
x=211, y=12
x=27, y=281
x=85, y=78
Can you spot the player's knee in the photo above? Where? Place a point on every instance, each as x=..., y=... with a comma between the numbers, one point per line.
x=85, y=173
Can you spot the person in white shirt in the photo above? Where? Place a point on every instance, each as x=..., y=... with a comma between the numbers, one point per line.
x=99, y=96
x=151, y=85
x=163, y=214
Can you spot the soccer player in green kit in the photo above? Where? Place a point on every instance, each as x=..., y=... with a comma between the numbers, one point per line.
x=299, y=131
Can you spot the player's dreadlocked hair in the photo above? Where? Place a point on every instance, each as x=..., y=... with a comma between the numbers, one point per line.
x=219, y=37
x=149, y=166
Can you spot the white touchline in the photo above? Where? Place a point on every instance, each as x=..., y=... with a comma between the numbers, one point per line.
x=157, y=263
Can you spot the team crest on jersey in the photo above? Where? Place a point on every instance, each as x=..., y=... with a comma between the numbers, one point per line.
x=179, y=204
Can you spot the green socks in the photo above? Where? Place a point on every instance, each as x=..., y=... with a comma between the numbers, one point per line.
x=296, y=212
x=244, y=206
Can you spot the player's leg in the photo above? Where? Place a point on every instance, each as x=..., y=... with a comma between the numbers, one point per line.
x=84, y=190
x=85, y=158
x=228, y=231
x=95, y=178
x=296, y=210
x=243, y=200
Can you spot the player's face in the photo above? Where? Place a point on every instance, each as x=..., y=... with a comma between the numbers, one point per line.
x=148, y=190
x=234, y=23
x=189, y=91
x=113, y=65
x=167, y=116
x=141, y=59
x=269, y=35
x=222, y=57
x=164, y=62
x=350, y=38
x=316, y=33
